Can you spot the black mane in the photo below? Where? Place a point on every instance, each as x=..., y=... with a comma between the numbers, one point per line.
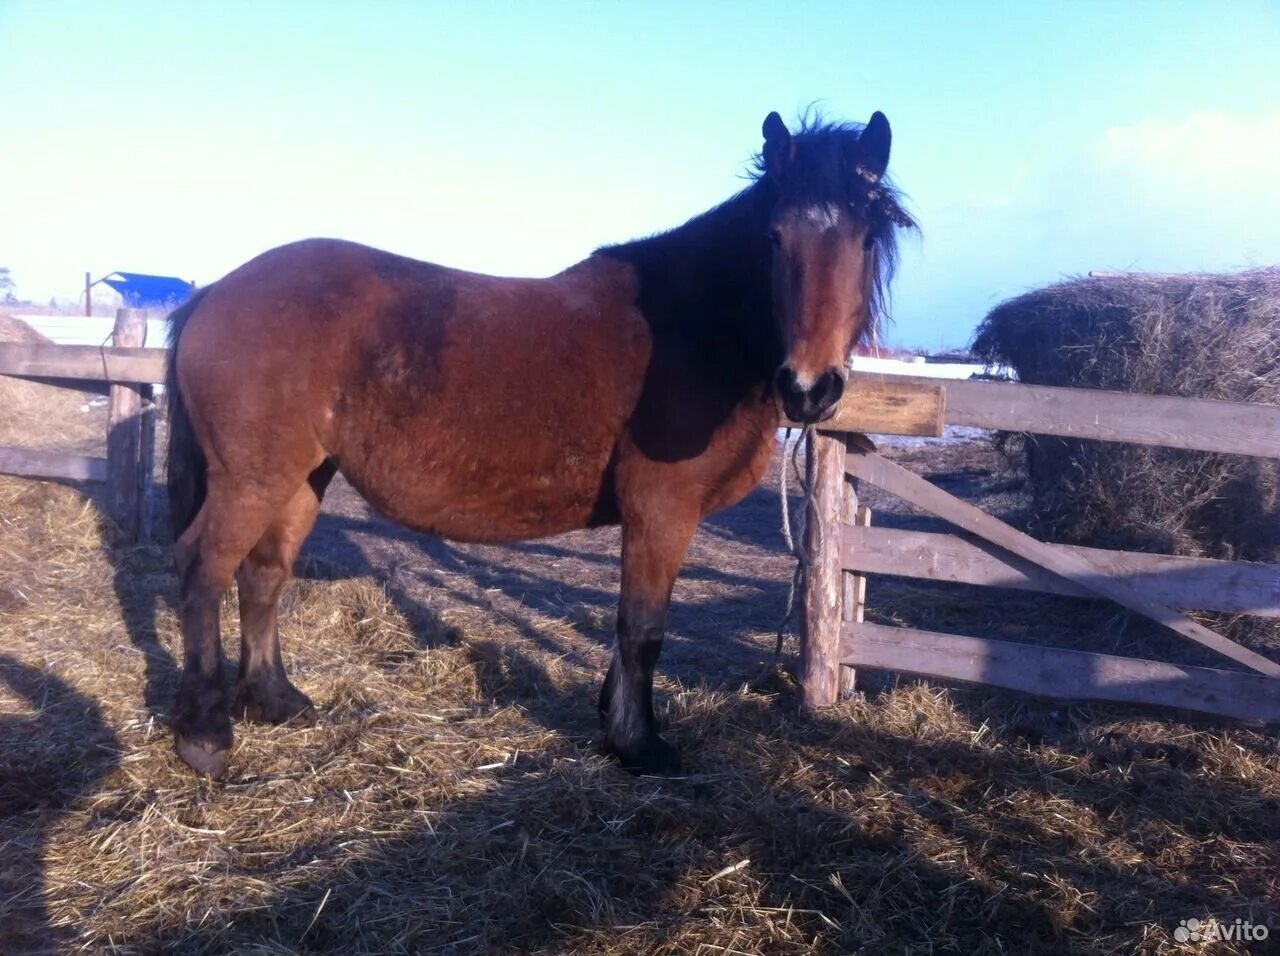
x=721, y=257
x=823, y=172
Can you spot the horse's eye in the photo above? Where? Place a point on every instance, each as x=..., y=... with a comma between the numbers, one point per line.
x=775, y=236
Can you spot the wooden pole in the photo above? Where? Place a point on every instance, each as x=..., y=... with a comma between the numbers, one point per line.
x=820, y=622
x=147, y=456
x=125, y=482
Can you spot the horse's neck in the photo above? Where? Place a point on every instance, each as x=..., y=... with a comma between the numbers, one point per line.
x=706, y=286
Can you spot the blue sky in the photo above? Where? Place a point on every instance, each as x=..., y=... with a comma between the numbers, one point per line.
x=1034, y=140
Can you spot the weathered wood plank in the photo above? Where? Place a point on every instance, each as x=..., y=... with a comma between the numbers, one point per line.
x=87, y=386
x=35, y=463
x=1062, y=674
x=820, y=617
x=853, y=601
x=890, y=407
x=911, y=487
x=125, y=487
x=1188, y=423
x=146, y=461
x=1234, y=587
x=45, y=361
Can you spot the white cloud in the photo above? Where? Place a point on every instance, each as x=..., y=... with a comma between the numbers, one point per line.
x=1201, y=156
x=1197, y=193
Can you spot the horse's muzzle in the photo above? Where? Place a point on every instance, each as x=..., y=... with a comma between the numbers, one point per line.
x=813, y=403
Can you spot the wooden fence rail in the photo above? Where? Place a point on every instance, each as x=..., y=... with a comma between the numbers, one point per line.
x=875, y=403
x=85, y=364
x=1195, y=424
x=1232, y=587
x=1062, y=674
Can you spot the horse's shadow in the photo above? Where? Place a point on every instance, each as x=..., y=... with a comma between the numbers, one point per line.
x=789, y=823
x=525, y=584
x=55, y=747
x=616, y=843
x=143, y=581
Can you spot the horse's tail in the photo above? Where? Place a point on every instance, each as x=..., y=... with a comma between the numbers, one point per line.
x=185, y=463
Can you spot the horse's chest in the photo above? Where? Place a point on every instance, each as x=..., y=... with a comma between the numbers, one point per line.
x=744, y=458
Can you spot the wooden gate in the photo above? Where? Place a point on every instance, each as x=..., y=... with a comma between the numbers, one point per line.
x=842, y=548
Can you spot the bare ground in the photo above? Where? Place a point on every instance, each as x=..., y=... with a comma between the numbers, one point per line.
x=451, y=798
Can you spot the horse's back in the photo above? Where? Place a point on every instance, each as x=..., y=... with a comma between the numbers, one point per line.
x=471, y=405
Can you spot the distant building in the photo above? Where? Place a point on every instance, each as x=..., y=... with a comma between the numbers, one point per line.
x=138, y=290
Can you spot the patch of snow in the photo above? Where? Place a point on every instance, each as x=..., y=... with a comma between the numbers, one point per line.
x=88, y=329
x=891, y=366
x=951, y=435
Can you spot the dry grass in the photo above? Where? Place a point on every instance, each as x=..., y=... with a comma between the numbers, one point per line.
x=1201, y=336
x=451, y=798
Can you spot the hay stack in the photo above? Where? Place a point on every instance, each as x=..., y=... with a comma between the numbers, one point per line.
x=41, y=416
x=1202, y=336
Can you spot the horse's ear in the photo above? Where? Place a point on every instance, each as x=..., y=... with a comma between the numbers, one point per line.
x=873, y=148
x=779, y=147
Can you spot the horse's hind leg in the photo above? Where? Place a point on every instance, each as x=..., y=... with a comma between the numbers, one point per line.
x=229, y=523
x=263, y=691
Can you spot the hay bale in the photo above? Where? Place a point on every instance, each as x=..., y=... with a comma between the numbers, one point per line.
x=41, y=416
x=1201, y=336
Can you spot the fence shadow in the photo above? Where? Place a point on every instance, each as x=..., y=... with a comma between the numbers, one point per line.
x=55, y=748
x=142, y=578
x=522, y=581
x=580, y=852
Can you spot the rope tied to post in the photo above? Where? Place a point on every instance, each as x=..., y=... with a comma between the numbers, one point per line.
x=791, y=536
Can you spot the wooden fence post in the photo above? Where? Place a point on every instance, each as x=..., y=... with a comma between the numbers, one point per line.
x=127, y=482
x=146, y=457
x=821, y=611
x=853, y=585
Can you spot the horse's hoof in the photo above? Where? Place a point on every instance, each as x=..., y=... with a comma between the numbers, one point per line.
x=202, y=725
x=275, y=706
x=205, y=757
x=654, y=756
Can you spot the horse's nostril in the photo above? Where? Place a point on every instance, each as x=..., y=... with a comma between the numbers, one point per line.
x=833, y=387
x=787, y=382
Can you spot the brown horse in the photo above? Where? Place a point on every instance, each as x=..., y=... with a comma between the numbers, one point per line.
x=640, y=386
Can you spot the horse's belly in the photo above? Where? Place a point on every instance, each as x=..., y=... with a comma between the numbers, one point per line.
x=467, y=489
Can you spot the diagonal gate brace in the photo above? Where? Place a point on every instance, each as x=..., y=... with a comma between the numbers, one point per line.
x=863, y=462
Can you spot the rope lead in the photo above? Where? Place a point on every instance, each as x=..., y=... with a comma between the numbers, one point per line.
x=790, y=537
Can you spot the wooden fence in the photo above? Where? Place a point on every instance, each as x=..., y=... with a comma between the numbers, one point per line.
x=126, y=374
x=842, y=549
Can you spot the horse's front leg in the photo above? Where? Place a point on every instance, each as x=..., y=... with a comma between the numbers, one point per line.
x=653, y=548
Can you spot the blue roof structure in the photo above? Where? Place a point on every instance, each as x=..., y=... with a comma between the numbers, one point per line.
x=141, y=291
